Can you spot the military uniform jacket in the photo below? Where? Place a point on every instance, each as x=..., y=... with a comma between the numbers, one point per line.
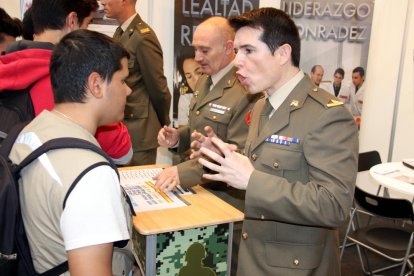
x=301, y=191
x=147, y=108
x=226, y=108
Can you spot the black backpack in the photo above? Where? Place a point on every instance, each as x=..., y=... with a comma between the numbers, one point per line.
x=15, y=257
x=15, y=107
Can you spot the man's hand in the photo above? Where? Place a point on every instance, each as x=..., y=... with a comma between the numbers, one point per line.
x=231, y=167
x=199, y=140
x=167, y=137
x=167, y=179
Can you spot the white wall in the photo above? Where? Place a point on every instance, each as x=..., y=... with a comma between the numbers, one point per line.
x=390, y=82
x=12, y=7
x=403, y=146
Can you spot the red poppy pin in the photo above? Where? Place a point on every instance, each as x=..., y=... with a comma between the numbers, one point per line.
x=248, y=117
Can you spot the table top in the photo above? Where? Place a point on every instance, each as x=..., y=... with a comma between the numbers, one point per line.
x=205, y=209
x=394, y=176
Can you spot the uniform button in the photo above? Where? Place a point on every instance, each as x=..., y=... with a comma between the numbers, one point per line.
x=315, y=89
x=262, y=217
x=275, y=165
x=296, y=262
x=131, y=115
x=254, y=156
x=214, y=117
x=196, y=94
x=198, y=112
x=244, y=236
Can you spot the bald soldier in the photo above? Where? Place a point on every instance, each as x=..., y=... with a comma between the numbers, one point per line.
x=219, y=101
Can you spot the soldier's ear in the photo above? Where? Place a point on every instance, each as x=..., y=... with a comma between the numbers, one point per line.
x=285, y=53
x=229, y=47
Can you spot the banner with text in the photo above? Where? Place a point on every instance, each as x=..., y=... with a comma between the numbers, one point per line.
x=333, y=33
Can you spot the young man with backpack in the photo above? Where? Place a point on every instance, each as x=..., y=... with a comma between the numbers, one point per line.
x=26, y=68
x=63, y=221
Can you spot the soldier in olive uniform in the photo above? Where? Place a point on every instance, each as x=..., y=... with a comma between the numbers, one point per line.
x=300, y=161
x=219, y=101
x=147, y=108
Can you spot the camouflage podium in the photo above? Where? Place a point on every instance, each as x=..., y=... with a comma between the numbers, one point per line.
x=191, y=240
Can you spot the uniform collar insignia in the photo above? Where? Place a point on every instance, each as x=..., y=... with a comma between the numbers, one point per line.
x=294, y=103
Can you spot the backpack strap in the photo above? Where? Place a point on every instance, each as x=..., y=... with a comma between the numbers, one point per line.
x=8, y=142
x=57, y=270
x=71, y=142
x=65, y=143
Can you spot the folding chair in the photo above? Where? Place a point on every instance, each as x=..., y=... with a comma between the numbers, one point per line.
x=390, y=236
x=366, y=160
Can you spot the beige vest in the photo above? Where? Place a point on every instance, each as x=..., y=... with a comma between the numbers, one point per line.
x=45, y=183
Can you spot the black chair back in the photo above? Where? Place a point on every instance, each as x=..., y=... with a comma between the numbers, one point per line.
x=386, y=207
x=368, y=159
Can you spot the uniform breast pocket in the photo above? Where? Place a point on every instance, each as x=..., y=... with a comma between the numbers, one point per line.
x=279, y=160
x=219, y=122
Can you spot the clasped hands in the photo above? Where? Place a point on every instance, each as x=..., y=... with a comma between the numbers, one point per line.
x=231, y=167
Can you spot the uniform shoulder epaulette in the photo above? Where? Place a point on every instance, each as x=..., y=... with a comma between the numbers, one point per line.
x=142, y=27
x=323, y=97
x=144, y=30
x=333, y=103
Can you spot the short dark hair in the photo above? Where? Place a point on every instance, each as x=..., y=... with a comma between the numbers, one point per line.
x=10, y=26
x=28, y=30
x=51, y=14
x=278, y=29
x=359, y=70
x=340, y=71
x=76, y=56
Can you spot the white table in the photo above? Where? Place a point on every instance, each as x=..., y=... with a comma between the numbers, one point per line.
x=394, y=176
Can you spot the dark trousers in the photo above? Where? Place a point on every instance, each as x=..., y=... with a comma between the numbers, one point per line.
x=147, y=157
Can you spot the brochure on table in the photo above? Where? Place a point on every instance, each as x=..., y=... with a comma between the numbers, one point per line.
x=139, y=185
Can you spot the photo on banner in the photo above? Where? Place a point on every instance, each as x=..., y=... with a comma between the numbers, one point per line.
x=334, y=34
x=188, y=14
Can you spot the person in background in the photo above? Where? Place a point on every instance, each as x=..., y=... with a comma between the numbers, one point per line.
x=27, y=63
x=337, y=88
x=356, y=91
x=220, y=101
x=192, y=71
x=317, y=74
x=10, y=29
x=297, y=169
x=148, y=106
x=93, y=94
